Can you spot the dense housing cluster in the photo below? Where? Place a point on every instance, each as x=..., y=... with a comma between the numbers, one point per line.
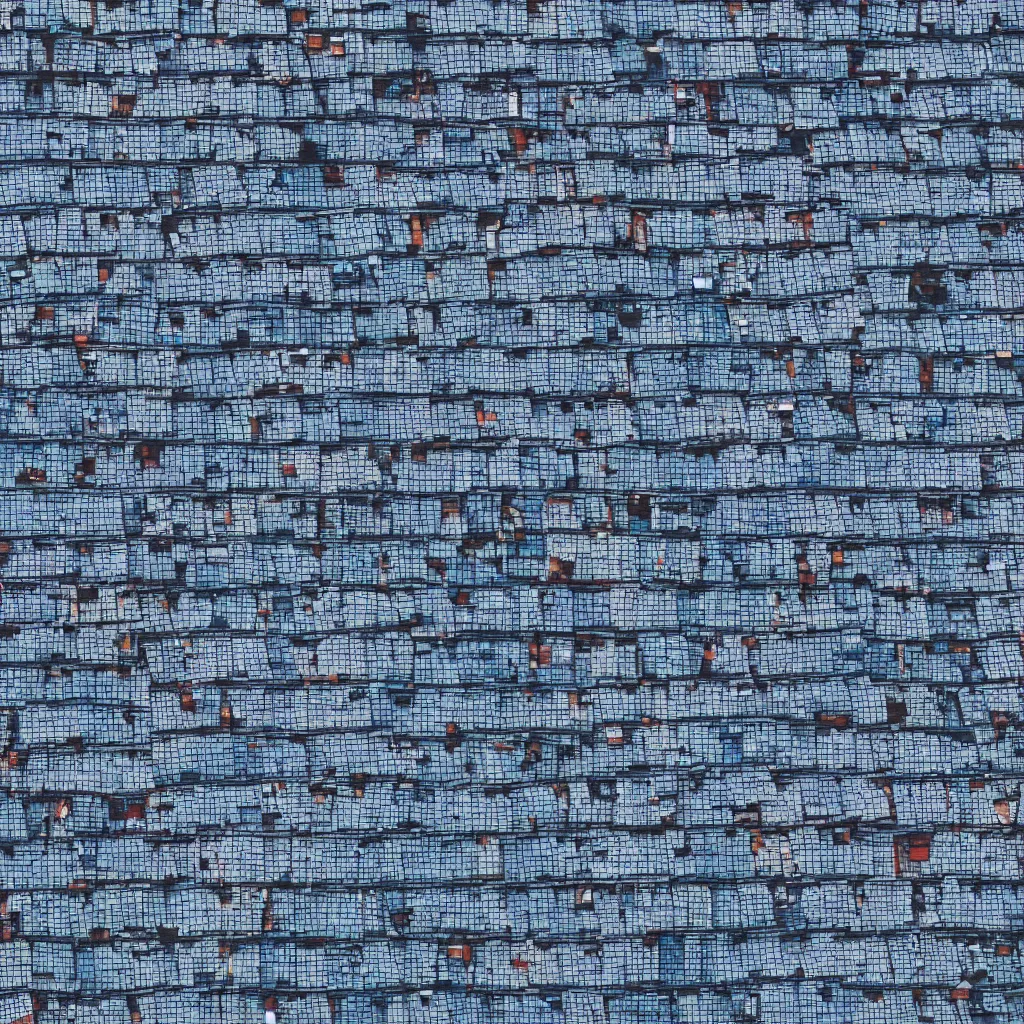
x=512, y=511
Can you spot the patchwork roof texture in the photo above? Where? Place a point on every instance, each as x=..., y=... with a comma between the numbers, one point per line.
x=511, y=512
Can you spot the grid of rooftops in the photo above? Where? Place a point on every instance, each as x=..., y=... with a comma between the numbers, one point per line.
x=511, y=511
